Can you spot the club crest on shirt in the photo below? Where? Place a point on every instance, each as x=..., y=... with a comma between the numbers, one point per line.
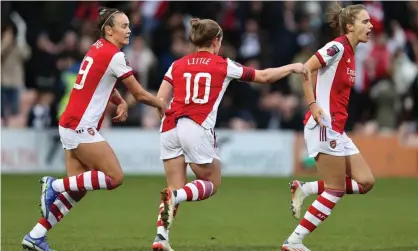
x=91, y=131
x=333, y=144
x=331, y=51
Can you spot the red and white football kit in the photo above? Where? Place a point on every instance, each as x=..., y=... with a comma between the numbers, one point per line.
x=103, y=65
x=199, y=82
x=332, y=92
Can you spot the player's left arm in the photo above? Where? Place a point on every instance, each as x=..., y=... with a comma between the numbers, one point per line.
x=265, y=76
x=116, y=98
x=122, y=106
x=121, y=69
x=271, y=75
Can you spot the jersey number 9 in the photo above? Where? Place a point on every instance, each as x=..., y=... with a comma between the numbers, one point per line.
x=82, y=73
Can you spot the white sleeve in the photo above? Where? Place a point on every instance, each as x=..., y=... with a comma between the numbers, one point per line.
x=169, y=75
x=237, y=71
x=330, y=53
x=119, y=66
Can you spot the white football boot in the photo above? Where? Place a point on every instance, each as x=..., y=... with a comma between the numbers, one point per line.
x=161, y=244
x=169, y=204
x=298, y=196
x=287, y=246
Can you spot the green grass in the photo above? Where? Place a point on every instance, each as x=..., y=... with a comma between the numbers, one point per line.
x=246, y=214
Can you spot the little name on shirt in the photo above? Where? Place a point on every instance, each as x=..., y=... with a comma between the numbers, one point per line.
x=192, y=61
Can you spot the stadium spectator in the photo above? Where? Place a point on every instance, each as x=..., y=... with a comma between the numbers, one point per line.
x=14, y=52
x=261, y=34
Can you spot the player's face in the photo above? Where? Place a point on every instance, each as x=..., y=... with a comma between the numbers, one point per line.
x=362, y=27
x=121, y=31
x=217, y=42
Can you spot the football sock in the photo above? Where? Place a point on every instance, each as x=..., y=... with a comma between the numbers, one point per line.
x=194, y=191
x=60, y=208
x=318, y=187
x=317, y=213
x=87, y=181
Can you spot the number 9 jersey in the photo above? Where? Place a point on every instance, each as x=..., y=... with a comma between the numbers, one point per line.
x=199, y=82
x=103, y=65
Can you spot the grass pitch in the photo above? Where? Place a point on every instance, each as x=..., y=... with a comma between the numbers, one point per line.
x=246, y=214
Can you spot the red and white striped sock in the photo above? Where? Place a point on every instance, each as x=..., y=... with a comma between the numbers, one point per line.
x=194, y=191
x=62, y=205
x=316, y=214
x=87, y=181
x=318, y=187
x=160, y=227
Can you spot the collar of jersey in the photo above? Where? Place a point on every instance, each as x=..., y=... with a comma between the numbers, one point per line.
x=104, y=40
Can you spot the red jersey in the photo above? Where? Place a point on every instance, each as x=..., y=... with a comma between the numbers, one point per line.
x=199, y=82
x=103, y=65
x=334, y=82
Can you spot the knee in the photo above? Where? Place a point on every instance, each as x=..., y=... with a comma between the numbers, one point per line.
x=368, y=184
x=365, y=184
x=116, y=180
x=216, y=184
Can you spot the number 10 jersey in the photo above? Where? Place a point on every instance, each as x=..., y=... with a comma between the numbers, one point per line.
x=199, y=82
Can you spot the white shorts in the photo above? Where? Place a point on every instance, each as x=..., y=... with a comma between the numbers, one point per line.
x=197, y=144
x=70, y=138
x=325, y=140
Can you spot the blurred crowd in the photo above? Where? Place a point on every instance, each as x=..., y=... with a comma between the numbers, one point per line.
x=43, y=43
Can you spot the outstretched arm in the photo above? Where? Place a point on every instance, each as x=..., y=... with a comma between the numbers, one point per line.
x=271, y=75
x=140, y=93
x=266, y=76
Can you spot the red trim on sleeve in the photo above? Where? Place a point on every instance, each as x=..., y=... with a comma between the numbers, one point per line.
x=320, y=58
x=129, y=73
x=248, y=74
x=168, y=80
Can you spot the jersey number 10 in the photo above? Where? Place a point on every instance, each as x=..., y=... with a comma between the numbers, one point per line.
x=82, y=73
x=207, y=81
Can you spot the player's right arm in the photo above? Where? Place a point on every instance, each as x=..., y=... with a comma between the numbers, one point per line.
x=165, y=92
x=166, y=88
x=325, y=56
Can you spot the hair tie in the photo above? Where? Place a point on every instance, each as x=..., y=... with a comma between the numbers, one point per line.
x=108, y=19
x=341, y=11
x=219, y=32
